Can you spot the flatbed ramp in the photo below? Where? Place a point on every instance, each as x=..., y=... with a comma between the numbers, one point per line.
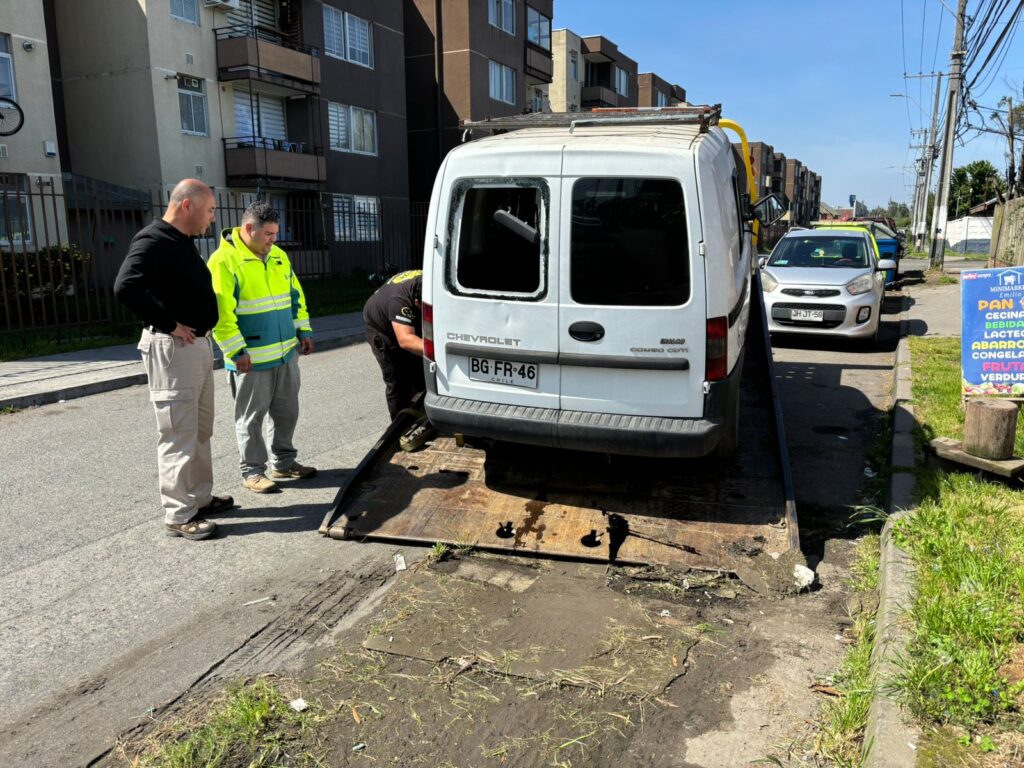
x=707, y=514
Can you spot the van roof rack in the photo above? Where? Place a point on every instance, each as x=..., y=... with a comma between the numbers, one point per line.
x=703, y=116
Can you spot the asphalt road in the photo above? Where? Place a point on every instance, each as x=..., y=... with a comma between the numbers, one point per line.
x=103, y=618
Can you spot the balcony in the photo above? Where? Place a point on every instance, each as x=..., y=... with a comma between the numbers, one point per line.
x=258, y=53
x=538, y=66
x=253, y=160
x=599, y=96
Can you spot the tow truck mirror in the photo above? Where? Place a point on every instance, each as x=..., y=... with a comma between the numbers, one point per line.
x=769, y=209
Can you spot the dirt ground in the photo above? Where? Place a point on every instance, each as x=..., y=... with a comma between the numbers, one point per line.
x=485, y=661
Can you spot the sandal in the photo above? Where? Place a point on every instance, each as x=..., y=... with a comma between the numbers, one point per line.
x=217, y=504
x=193, y=530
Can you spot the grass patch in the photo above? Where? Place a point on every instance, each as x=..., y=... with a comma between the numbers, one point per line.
x=248, y=725
x=968, y=544
x=962, y=669
x=843, y=719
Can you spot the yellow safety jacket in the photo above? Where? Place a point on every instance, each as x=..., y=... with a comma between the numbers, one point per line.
x=261, y=304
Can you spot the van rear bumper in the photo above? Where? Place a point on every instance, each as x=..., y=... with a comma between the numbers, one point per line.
x=586, y=431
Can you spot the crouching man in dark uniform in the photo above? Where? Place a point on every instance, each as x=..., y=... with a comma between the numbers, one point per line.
x=393, y=318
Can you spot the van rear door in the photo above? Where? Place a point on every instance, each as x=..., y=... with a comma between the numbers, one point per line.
x=632, y=312
x=496, y=294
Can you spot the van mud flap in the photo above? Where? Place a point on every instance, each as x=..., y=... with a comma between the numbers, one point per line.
x=735, y=515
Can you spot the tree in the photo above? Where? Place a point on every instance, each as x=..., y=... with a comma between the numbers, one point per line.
x=972, y=184
x=900, y=212
x=1011, y=124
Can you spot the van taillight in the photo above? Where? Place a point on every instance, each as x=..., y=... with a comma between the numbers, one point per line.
x=717, y=355
x=428, y=332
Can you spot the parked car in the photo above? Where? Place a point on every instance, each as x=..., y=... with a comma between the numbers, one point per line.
x=588, y=287
x=825, y=281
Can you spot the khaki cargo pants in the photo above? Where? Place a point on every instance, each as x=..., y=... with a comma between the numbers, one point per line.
x=181, y=388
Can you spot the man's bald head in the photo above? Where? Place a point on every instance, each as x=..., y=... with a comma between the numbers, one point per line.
x=189, y=189
x=191, y=207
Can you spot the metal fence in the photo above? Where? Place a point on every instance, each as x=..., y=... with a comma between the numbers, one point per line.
x=62, y=242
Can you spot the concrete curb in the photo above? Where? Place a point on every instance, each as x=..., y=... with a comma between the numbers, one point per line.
x=890, y=742
x=120, y=381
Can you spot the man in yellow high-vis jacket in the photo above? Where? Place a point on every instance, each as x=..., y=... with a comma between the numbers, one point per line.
x=263, y=325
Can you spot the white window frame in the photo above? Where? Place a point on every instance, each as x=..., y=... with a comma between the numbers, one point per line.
x=350, y=115
x=662, y=100
x=356, y=218
x=621, y=82
x=6, y=56
x=502, y=14
x=193, y=96
x=537, y=22
x=501, y=82
x=335, y=18
x=185, y=5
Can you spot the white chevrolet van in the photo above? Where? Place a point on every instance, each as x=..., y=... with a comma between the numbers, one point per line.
x=587, y=284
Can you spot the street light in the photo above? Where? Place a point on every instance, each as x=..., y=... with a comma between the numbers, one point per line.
x=907, y=96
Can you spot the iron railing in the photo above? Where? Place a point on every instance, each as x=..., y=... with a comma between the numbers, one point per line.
x=62, y=241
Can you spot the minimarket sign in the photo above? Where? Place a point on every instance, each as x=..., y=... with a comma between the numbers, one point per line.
x=992, y=339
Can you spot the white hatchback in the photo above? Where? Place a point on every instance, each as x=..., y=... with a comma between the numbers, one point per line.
x=824, y=281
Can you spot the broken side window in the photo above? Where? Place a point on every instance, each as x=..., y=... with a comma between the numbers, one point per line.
x=499, y=244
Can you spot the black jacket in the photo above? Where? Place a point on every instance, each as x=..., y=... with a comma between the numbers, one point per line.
x=165, y=281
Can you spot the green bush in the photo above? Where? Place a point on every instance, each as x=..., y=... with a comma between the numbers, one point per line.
x=57, y=270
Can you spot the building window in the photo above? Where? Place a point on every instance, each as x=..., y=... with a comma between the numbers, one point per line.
x=538, y=28
x=502, y=14
x=192, y=103
x=502, y=83
x=537, y=100
x=7, y=69
x=662, y=99
x=348, y=37
x=186, y=10
x=574, y=66
x=15, y=211
x=352, y=129
x=621, y=82
x=356, y=219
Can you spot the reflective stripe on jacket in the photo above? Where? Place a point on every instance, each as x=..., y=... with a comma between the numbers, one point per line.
x=262, y=309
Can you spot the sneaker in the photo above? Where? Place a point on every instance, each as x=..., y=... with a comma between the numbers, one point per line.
x=294, y=472
x=193, y=530
x=217, y=505
x=259, y=484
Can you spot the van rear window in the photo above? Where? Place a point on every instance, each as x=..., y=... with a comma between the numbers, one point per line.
x=500, y=240
x=629, y=243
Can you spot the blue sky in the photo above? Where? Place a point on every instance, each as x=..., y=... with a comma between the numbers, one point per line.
x=810, y=77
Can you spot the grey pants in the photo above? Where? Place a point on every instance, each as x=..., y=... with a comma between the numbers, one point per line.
x=273, y=392
x=181, y=388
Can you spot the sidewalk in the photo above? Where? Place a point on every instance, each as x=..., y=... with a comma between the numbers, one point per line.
x=50, y=379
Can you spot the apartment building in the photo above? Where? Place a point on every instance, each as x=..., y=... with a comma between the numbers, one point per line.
x=654, y=91
x=468, y=60
x=297, y=101
x=768, y=176
x=30, y=166
x=812, y=195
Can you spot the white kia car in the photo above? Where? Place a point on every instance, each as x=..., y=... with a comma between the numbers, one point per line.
x=824, y=281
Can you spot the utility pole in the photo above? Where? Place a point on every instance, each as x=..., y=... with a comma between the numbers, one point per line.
x=956, y=58
x=929, y=154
